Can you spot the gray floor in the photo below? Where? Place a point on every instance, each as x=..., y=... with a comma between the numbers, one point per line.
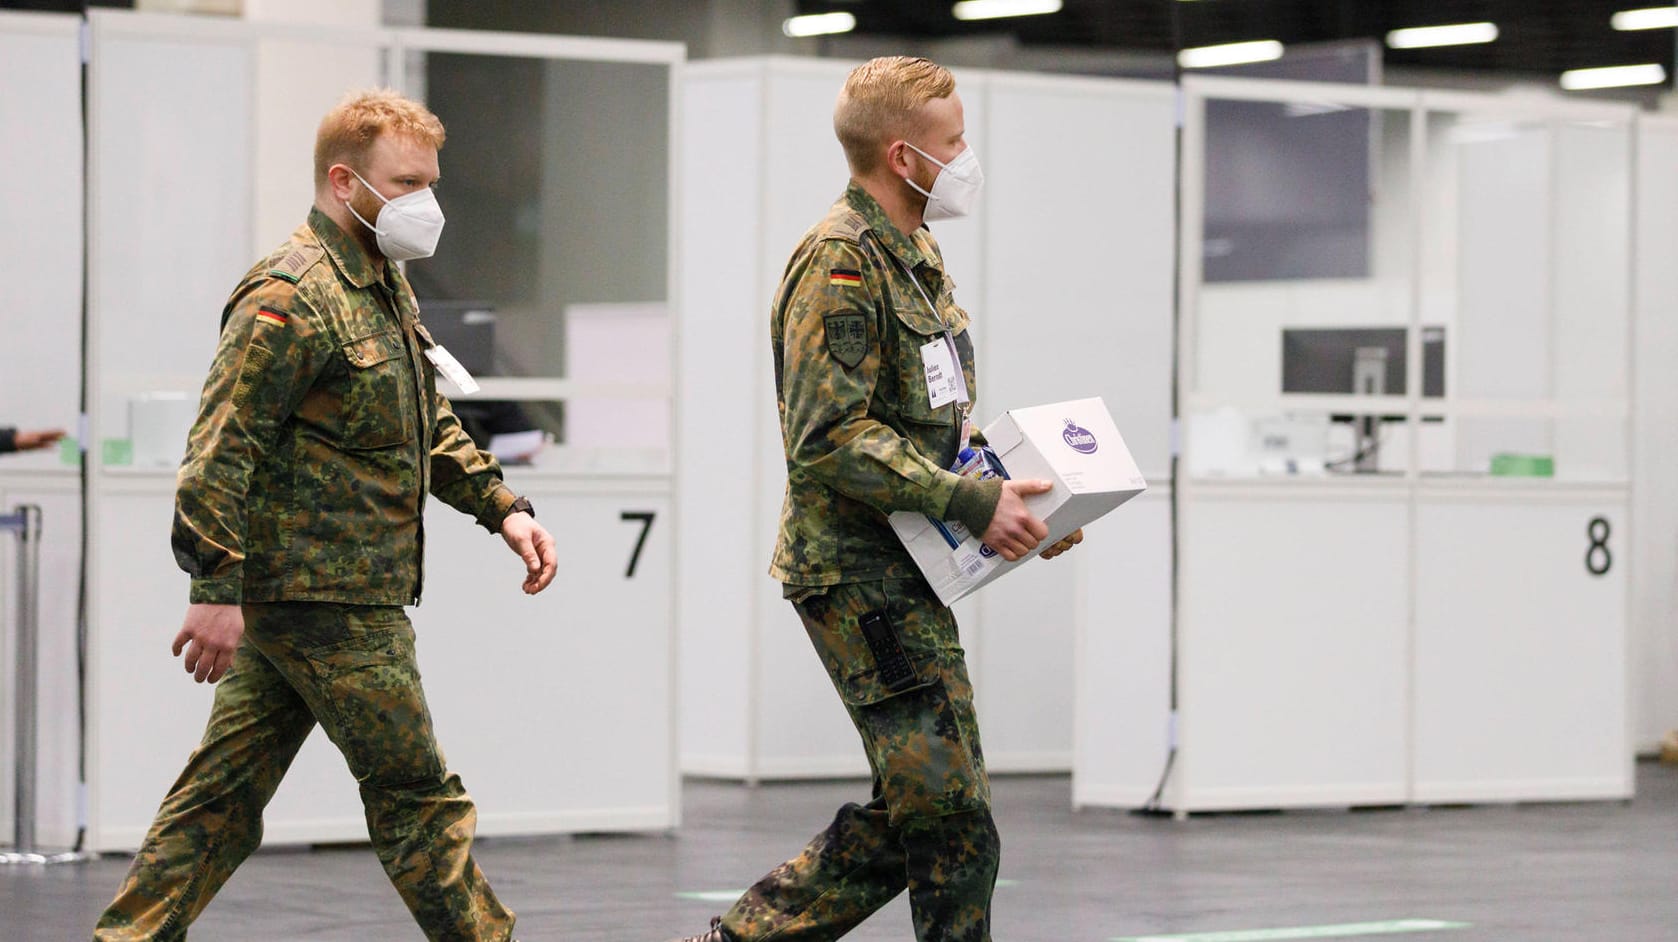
x=1529, y=873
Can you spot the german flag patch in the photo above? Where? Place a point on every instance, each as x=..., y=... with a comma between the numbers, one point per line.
x=845, y=277
x=271, y=317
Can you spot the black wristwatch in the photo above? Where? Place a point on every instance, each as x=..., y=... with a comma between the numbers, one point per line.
x=522, y=504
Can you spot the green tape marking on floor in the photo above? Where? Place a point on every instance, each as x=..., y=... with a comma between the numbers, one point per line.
x=1345, y=931
x=712, y=896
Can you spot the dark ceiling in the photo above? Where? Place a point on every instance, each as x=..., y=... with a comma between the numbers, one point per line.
x=1535, y=36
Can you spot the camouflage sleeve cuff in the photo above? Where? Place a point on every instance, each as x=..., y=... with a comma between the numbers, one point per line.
x=496, y=508
x=222, y=590
x=974, y=503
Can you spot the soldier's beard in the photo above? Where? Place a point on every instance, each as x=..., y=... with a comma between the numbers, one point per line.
x=368, y=210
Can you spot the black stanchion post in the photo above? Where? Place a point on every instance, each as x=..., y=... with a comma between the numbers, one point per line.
x=25, y=522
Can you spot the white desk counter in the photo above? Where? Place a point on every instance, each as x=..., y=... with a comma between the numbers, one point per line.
x=557, y=710
x=1358, y=641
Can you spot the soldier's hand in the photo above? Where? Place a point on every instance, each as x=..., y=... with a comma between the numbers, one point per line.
x=1015, y=531
x=527, y=538
x=211, y=638
x=29, y=441
x=1071, y=539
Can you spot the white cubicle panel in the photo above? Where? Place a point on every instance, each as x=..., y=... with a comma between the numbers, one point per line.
x=798, y=726
x=169, y=99
x=1593, y=167
x=1078, y=261
x=146, y=712
x=1348, y=639
x=1069, y=288
x=40, y=382
x=1122, y=681
x=1078, y=271
x=760, y=166
x=170, y=193
x=1520, y=646
x=722, y=371
x=1293, y=635
x=617, y=344
x=291, y=101
x=41, y=149
x=1502, y=347
x=57, y=739
x=1544, y=210
x=1266, y=352
x=801, y=727
x=1654, y=553
x=557, y=711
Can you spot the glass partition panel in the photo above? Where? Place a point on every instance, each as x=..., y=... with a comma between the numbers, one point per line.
x=1533, y=217
x=555, y=184
x=1304, y=351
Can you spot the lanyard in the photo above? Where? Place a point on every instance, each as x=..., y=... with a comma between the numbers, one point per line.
x=949, y=338
x=964, y=398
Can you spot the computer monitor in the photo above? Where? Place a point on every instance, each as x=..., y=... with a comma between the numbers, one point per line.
x=466, y=328
x=1361, y=361
x=1316, y=360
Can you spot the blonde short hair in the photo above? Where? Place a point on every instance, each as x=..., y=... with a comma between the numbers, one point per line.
x=879, y=102
x=349, y=130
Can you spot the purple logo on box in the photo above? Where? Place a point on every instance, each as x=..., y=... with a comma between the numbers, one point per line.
x=1079, y=439
x=986, y=551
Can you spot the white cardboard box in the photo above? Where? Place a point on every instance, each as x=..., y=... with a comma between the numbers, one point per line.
x=1073, y=444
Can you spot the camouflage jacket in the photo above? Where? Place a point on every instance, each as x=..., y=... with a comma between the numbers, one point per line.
x=319, y=434
x=860, y=433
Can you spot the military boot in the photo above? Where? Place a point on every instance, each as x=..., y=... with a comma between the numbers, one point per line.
x=714, y=934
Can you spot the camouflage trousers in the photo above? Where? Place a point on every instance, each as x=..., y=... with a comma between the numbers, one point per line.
x=353, y=670
x=928, y=827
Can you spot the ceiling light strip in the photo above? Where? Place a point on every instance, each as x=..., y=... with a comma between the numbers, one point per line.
x=818, y=24
x=1212, y=57
x=1648, y=18
x=1456, y=34
x=996, y=9
x=1617, y=76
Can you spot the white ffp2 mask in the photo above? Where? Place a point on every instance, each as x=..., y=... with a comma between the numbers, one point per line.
x=408, y=226
x=956, y=188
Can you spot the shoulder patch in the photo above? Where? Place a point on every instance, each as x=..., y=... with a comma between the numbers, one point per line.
x=847, y=338
x=848, y=227
x=299, y=260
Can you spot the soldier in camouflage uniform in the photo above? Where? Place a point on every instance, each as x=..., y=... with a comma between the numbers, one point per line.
x=298, y=516
x=864, y=308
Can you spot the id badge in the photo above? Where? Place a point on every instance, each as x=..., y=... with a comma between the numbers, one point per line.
x=945, y=382
x=451, y=369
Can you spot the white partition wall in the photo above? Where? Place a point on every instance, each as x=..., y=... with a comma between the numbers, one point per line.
x=1291, y=670
x=760, y=165
x=1122, y=655
x=1066, y=269
x=1654, y=550
x=1520, y=650
x=557, y=711
x=1404, y=510
x=41, y=190
x=40, y=385
x=1080, y=184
